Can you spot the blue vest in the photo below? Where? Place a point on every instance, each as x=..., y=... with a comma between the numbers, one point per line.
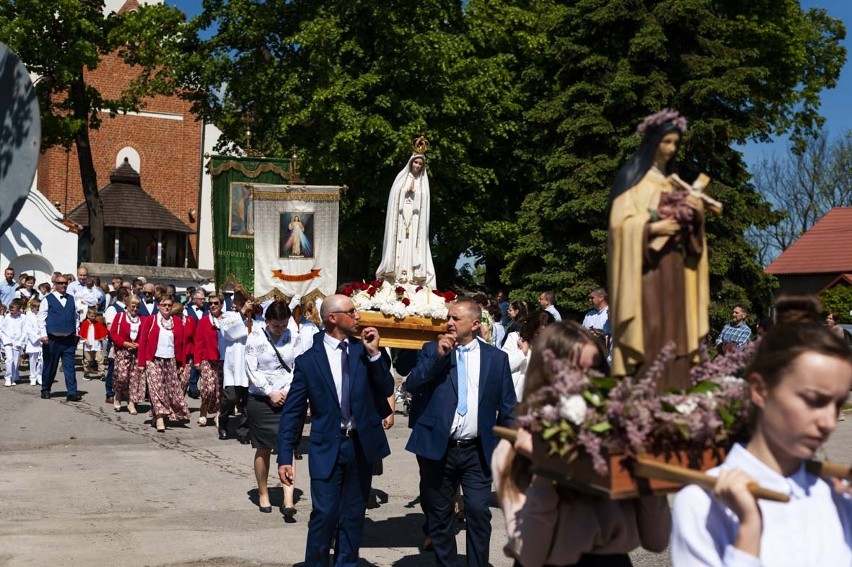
x=118, y=308
x=61, y=320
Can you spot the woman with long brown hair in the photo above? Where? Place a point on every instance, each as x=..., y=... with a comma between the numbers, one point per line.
x=549, y=525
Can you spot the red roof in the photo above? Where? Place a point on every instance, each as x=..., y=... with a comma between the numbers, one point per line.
x=824, y=249
x=129, y=6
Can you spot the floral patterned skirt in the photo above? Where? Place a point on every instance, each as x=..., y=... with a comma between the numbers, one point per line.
x=129, y=378
x=210, y=385
x=164, y=390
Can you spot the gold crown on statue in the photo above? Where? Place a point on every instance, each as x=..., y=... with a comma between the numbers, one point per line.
x=421, y=144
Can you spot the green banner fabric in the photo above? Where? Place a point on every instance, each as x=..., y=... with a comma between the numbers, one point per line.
x=234, y=181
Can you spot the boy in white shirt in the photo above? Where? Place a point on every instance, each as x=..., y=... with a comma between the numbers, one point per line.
x=13, y=336
x=33, y=347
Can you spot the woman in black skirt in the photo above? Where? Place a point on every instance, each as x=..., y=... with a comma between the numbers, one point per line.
x=270, y=356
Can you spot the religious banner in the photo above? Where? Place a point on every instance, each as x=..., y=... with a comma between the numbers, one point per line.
x=234, y=180
x=295, y=239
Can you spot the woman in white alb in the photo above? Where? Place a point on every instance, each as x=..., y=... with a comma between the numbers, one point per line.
x=270, y=358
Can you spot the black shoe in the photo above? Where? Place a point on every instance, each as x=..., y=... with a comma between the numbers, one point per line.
x=243, y=440
x=223, y=434
x=194, y=395
x=45, y=395
x=288, y=511
x=297, y=455
x=265, y=509
x=74, y=398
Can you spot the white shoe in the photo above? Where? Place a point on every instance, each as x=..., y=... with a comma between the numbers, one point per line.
x=32, y=383
x=8, y=383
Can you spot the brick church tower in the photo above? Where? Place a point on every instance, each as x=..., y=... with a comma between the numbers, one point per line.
x=162, y=143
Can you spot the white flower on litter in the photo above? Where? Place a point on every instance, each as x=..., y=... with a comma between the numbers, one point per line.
x=687, y=406
x=573, y=408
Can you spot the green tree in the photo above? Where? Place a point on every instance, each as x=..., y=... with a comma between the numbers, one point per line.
x=739, y=70
x=351, y=84
x=60, y=41
x=802, y=186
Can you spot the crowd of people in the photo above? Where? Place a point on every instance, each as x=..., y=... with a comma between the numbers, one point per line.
x=260, y=363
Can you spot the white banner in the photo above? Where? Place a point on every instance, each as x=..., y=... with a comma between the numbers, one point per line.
x=295, y=239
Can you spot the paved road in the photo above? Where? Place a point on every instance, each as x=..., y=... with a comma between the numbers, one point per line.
x=81, y=485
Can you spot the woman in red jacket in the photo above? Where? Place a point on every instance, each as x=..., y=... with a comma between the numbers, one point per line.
x=161, y=353
x=129, y=381
x=208, y=361
x=188, y=346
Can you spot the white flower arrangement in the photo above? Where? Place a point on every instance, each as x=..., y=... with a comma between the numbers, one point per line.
x=400, y=300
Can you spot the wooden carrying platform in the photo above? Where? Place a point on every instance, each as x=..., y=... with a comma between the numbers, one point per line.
x=621, y=482
x=411, y=332
x=630, y=478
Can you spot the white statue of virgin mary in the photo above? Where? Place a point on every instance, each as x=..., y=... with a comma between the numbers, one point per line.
x=406, y=255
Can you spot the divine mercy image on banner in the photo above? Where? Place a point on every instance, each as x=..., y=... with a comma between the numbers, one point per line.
x=296, y=239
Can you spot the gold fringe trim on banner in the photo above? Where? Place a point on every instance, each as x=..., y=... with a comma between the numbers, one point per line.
x=296, y=196
x=262, y=168
x=277, y=294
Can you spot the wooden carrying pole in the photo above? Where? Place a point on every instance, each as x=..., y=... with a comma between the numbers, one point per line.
x=648, y=468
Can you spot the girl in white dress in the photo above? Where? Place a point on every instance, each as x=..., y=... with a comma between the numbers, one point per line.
x=799, y=380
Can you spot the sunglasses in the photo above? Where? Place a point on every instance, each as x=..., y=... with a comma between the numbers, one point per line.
x=351, y=312
x=214, y=303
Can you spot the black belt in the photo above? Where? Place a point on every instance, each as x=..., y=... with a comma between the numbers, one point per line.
x=464, y=442
x=161, y=358
x=348, y=432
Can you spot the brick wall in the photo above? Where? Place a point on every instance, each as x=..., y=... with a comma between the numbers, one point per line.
x=169, y=152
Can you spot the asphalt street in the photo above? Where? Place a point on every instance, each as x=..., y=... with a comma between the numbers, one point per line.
x=82, y=485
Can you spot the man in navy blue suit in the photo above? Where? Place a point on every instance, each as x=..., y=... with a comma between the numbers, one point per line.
x=347, y=384
x=467, y=388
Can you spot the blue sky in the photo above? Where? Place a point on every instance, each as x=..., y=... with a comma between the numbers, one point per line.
x=835, y=102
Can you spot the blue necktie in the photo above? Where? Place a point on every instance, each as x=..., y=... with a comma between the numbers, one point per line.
x=344, y=382
x=461, y=368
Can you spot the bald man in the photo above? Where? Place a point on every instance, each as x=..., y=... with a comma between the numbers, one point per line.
x=347, y=384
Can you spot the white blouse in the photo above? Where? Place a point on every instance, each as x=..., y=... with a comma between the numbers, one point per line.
x=813, y=528
x=263, y=368
x=165, y=340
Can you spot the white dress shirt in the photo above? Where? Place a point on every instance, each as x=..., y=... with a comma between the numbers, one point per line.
x=166, y=339
x=264, y=370
x=813, y=528
x=518, y=362
x=467, y=426
x=552, y=310
x=42, y=312
x=334, y=361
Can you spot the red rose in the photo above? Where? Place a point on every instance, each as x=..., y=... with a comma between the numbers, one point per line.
x=348, y=290
x=449, y=296
x=399, y=290
x=363, y=286
x=406, y=301
x=377, y=283
x=418, y=288
x=372, y=291
x=438, y=293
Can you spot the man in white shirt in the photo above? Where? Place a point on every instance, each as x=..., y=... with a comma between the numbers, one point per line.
x=597, y=318
x=546, y=300
x=466, y=388
x=149, y=302
x=76, y=286
x=58, y=327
